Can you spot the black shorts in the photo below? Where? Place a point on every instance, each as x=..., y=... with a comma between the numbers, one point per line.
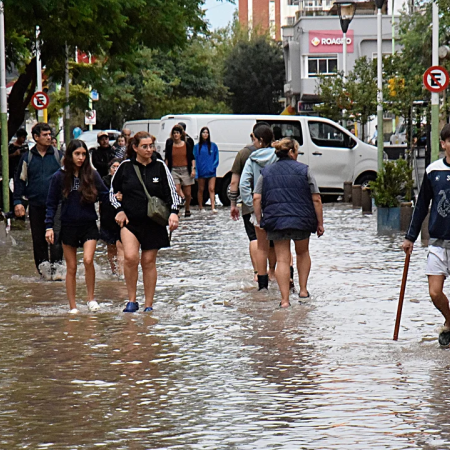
x=108, y=236
x=150, y=235
x=249, y=228
x=77, y=235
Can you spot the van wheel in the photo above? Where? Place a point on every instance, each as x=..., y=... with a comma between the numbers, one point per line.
x=223, y=192
x=365, y=179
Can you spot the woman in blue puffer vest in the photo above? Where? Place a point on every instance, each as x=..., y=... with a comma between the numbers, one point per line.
x=288, y=206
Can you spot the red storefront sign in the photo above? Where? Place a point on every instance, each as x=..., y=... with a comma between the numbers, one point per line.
x=327, y=41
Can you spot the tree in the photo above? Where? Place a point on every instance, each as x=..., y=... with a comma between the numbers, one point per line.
x=106, y=28
x=254, y=74
x=334, y=101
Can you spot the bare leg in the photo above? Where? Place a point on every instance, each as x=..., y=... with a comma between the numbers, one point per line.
x=253, y=249
x=131, y=260
x=179, y=190
x=150, y=275
x=88, y=260
x=187, y=196
x=283, y=252
x=272, y=263
x=263, y=250
x=212, y=192
x=201, y=188
x=120, y=257
x=112, y=257
x=70, y=255
x=436, y=286
x=303, y=264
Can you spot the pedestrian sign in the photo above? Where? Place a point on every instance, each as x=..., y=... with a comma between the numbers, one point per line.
x=436, y=79
x=94, y=95
x=40, y=100
x=90, y=117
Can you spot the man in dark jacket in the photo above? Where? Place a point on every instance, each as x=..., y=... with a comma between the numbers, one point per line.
x=102, y=155
x=32, y=181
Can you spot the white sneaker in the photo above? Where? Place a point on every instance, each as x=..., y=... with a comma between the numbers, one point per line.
x=214, y=211
x=202, y=211
x=93, y=305
x=73, y=311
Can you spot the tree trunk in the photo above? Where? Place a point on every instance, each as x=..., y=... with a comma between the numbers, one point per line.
x=20, y=97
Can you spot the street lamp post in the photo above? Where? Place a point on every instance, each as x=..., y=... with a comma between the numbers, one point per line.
x=346, y=10
x=380, y=146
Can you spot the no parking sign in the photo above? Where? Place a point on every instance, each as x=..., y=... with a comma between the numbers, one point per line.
x=40, y=100
x=436, y=79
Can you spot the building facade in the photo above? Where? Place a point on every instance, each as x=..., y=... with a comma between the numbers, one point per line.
x=269, y=15
x=314, y=46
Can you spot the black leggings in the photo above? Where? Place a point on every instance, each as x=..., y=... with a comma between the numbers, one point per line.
x=40, y=246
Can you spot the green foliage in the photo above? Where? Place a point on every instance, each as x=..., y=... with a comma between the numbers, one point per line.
x=355, y=99
x=101, y=27
x=393, y=184
x=332, y=93
x=254, y=74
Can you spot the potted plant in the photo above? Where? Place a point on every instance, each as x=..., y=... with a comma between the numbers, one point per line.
x=392, y=186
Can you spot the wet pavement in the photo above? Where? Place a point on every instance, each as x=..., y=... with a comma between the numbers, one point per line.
x=216, y=365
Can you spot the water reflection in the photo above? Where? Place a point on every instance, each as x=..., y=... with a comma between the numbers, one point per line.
x=217, y=366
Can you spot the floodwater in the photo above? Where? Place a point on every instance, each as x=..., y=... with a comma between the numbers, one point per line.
x=217, y=365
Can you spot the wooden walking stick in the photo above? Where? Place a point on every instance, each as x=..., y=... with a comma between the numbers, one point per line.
x=402, y=296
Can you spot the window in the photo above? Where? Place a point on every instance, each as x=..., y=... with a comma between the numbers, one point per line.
x=286, y=128
x=293, y=2
x=326, y=135
x=321, y=65
x=290, y=20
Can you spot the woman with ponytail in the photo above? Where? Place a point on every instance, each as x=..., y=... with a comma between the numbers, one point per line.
x=78, y=186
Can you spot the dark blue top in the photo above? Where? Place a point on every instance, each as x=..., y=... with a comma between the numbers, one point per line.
x=435, y=189
x=33, y=180
x=207, y=160
x=73, y=211
x=286, y=198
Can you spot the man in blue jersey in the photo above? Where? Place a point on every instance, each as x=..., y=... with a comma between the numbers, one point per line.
x=435, y=189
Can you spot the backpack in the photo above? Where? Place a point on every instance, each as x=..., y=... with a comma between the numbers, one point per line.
x=55, y=154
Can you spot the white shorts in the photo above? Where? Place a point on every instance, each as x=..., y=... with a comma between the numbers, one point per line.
x=438, y=262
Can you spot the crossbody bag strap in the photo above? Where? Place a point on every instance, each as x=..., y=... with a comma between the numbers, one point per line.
x=138, y=173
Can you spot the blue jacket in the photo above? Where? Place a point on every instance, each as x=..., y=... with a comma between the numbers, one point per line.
x=255, y=162
x=206, y=160
x=435, y=189
x=33, y=180
x=73, y=210
x=286, y=197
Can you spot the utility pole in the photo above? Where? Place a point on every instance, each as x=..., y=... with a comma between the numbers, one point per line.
x=4, y=112
x=39, y=72
x=67, y=107
x=435, y=95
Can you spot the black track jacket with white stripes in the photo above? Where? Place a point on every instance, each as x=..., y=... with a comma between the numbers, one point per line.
x=157, y=179
x=435, y=189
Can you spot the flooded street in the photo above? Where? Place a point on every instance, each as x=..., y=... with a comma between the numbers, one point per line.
x=216, y=365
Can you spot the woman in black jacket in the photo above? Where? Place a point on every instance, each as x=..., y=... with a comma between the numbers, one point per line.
x=138, y=230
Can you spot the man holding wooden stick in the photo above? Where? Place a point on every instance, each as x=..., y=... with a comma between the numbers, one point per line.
x=435, y=189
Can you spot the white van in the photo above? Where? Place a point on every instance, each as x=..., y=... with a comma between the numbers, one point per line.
x=333, y=153
x=149, y=125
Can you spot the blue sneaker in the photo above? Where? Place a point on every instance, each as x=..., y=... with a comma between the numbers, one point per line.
x=148, y=309
x=131, y=307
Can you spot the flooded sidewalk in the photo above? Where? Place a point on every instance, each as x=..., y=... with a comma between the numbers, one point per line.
x=217, y=365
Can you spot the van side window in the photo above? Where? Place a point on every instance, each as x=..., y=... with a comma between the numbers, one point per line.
x=286, y=128
x=326, y=135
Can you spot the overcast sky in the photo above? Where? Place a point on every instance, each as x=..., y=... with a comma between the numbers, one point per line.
x=219, y=14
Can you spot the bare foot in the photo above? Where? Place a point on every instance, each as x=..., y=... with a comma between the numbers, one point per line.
x=255, y=277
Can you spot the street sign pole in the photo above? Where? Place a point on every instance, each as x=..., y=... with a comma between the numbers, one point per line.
x=4, y=112
x=380, y=91
x=66, y=107
x=435, y=95
x=39, y=71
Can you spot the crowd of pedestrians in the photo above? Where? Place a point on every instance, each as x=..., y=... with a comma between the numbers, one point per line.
x=280, y=203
